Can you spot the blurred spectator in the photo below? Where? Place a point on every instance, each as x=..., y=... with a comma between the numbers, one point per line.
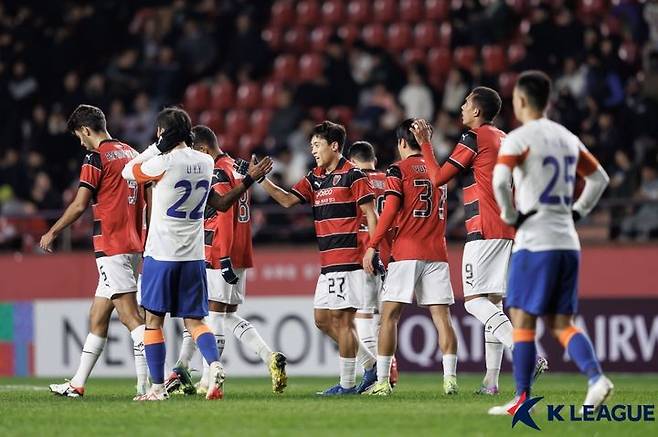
x=651, y=17
x=337, y=71
x=139, y=126
x=195, y=49
x=286, y=117
x=416, y=96
x=455, y=91
x=645, y=220
x=247, y=49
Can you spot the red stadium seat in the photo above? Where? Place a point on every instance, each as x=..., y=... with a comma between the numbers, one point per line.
x=628, y=52
x=400, y=36
x=385, y=11
x=439, y=61
x=248, y=96
x=349, y=33
x=237, y=122
x=260, y=121
x=493, y=59
x=374, y=35
x=465, y=56
x=222, y=95
x=197, y=97
x=270, y=94
x=413, y=56
x=296, y=39
x=228, y=142
x=320, y=37
x=516, y=53
x=611, y=25
x=285, y=68
x=317, y=113
x=445, y=34
x=358, y=11
x=340, y=114
x=213, y=119
x=426, y=35
x=311, y=67
x=283, y=13
x=308, y=12
x=437, y=9
x=411, y=11
x=273, y=36
x=246, y=145
x=592, y=7
x=506, y=82
x=519, y=6
x=333, y=12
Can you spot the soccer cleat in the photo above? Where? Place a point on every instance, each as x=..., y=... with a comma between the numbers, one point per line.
x=67, y=390
x=508, y=408
x=541, y=366
x=598, y=392
x=216, y=378
x=394, y=376
x=201, y=387
x=277, y=368
x=487, y=391
x=173, y=384
x=450, y=386
x=338, y=390
x=369, y=380
x=381, y=389
x=154, y=394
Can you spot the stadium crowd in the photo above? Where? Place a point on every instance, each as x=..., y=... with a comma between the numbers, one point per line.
x=262, y=73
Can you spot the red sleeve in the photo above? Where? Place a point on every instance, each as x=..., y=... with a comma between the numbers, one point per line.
x=303, y=189
x=438, y=175
x=91, y=172
x=361, y=187
x=391, y=208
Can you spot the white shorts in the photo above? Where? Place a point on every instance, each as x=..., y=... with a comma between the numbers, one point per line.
x=371, y=291
x=341, y=290
x=117, y=274
x=221, y=291
x=429, y=281
x=484, y=266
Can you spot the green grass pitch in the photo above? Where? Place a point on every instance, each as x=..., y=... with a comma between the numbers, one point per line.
x=417, y=408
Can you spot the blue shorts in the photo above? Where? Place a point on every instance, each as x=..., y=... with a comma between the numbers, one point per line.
x=175, y=287
x=544, y=282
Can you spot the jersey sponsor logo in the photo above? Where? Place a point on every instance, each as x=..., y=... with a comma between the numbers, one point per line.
x=120, y=154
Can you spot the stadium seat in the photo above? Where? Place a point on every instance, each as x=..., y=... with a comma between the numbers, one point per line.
x=248, y=96
x=213, y=119
x=445, y=34
x=310, y=67
x=308, y=12
x=516, y=53
x=413, y=56
x=385, y=11
x=320, y=37
x=465, y=56
x=610, y=26
x=333, y=12
x=411, y=11
x=246, y=145
x=437, y=9
x=228, y=142
x=519, y=6
x=349, y=33
x=426, y=35
x=374, y=35
x=400, y=37
x=340, y=114
x=222, y=95
x=283, y=14
x=197, y=97
x=237, y=122
x=285, y=68
x=628, y=52
x=493, y=59
x=260, y=121
x=296, y=39
x=506, y=82
x=590, y=8
x=358, y=11
x=317, y=113
x=273, y=36
x=439, y=61
x=269, y=94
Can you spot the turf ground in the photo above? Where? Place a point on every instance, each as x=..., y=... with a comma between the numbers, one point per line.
x=417, y=408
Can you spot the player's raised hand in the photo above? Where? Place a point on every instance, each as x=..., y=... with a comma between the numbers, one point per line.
x=46, y=242
x=367, y=261
x=422, y=131
x=257, y=170
x=170, y=138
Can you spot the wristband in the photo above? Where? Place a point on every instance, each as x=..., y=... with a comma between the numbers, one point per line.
x=248, y=181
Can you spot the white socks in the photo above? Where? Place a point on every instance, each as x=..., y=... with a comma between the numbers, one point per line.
x=91, y=350
x=493, y=318
x=247, y=334
x=141, y=368
x=493, y=354
x=449, y=365
x=347, y=372
x=215, y=321
x=187, y=349
x=365, y=329
x=384, y=367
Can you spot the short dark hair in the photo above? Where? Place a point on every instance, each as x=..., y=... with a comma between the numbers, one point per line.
x=87, y=116
x=536, y=85
x=362, y=151
x=488, y=102
x=331, y=132
x=403, y=132
x=176, y=118
x=205, y=135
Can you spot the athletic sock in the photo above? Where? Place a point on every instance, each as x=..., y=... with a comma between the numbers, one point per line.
x=493, y=355
x=449, y=365
x=244, y=331
x=216, y=324
x=91, y=350
x=154, y=348
x=187, y=349
x=365, y=329
x=524, y=357
x=493, y=318
x=347, y=372
x=384, y=367
x=364, y=357
x=141, y=368
x=582, y=353
x=205, y=340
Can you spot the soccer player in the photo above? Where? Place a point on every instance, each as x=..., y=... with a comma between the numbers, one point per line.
x=362, y=155
x=419, y=258
x=543, y=159
x=229, y=253
x=174, y=276
x=341, y=195
x=489, y=240
x=118, y=209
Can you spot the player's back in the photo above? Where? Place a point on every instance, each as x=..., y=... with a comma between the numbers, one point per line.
x=421, y=220
x=179, y=199
x=378, y=181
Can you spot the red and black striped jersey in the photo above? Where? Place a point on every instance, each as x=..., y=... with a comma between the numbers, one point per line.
x=421, y=219
x=475, y=155
x=335, y=198
x=378, y=182
x=228, y=234
x=117, y=204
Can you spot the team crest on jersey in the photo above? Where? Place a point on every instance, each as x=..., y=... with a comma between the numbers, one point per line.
x=336, y=180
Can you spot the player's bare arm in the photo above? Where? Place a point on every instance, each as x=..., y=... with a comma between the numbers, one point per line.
x=391, y=207
x=282, y=197
x=72, y=213
x=422, y=131
x=256, y=171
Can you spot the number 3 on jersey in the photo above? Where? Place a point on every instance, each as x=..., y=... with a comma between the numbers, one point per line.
x=196, y=213
x=426, y=197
